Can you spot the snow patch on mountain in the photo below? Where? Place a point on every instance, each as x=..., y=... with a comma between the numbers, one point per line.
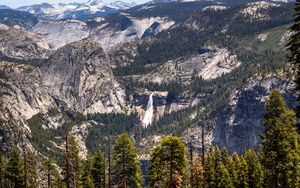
x=215, y=8
x=76, y=10
x=256, y=10
x=109, y=36
x=262, y=37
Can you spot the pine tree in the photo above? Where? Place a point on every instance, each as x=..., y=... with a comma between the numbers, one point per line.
x=242, y=171
x=31, y=169
x=224, y=179
x=52, y=174
x=294, y=48
x=225, y=157
x=255, y=170
x=157, y=173
x=88, y=181
x=280, y=144
x=235, y=169
x=126, y=170
x=15, y=170
x=209, y=170
x=73, y=163
x=170, y=157
x=2, y=171
x=98, y=170
x=197, y=173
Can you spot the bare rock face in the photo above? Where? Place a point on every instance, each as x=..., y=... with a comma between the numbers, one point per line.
x=209, y=64
x=78, y=76
x=21, y=95
x=22, y=45
x=243, y=119
x=59, y=33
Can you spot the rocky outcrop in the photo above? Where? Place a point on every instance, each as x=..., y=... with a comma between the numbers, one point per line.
x=238, y=127
x=59, y=33
x=210, y=63
x=76, y=78
x=21, y=45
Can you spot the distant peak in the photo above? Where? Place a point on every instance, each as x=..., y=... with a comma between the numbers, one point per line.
x=94, y=2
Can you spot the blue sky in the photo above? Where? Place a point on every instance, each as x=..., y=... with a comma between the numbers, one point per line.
x=18, y=3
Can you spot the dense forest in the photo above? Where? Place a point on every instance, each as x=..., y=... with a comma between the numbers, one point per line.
x=172, y=163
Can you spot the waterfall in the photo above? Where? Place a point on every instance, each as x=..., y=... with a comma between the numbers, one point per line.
x=149, y=112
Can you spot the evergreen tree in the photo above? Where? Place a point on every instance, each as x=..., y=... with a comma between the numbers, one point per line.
x=294, y=48
x=31, y=169
x=224, y=180
x=73, y=163
x=255, y=170
x=280, y=144
x=171, y=156
x=126, y=170
x=2, y=171
x=242, y=171
x=87, y=177
x=98, y=170
x=197, y=173
x=225, y=157
x=209, y=170
x=235, y=169
x=157, y=173
x=15, y=170
x=52, y=174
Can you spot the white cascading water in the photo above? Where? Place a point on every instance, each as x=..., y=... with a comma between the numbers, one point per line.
x=149, y=112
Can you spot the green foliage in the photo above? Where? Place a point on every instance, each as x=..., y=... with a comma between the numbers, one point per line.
x=31, y=169
x=126, y=170
x=280, y=144
x=52, y=175
x=168, y=163
x=73, y=165
x=294, y=48
x=108, y=125
x=2, y=171
x=41, y=138
x=15, y=170
x=98, y=169
x=87, y=176
x=255, y=169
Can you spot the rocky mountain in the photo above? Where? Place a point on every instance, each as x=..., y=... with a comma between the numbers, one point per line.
x=17, y=19
x=21, y=45
x=4, y=7
x=80, y=11
x=76, y=78
x=204, y=65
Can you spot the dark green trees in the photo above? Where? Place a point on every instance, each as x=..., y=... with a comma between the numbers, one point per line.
x=2, y=171
x=255, y=169
x=15, y=170
x=87, y=175
x=168, y=163
x=73, y=163
x=52, y=176
x=280, y=144
x=30, y=169
x=294, y=48
x=98, y=170
x=126, y=170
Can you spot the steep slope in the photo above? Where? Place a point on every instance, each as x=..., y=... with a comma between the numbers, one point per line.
x=79, y=76
x=21, y=45
x=76, y=78
x=17, y=19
